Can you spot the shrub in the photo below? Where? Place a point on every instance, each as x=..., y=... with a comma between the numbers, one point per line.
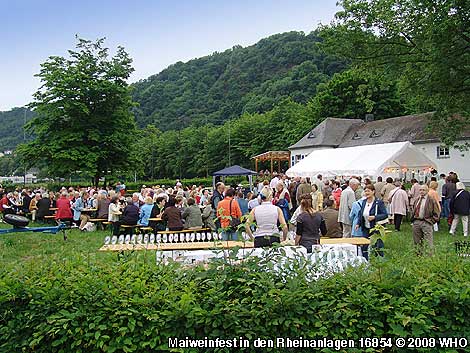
x=132, y=306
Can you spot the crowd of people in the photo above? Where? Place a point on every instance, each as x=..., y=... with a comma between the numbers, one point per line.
x=339, y=207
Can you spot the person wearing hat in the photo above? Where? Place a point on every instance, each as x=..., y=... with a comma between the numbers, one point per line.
x=266, y=216
x=460, y=207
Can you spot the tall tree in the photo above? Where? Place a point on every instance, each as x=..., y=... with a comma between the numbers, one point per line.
x=83, y=116
x=355, y=93
x=425, y=43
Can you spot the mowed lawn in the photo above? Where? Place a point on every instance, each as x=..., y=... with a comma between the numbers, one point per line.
x=20, y=251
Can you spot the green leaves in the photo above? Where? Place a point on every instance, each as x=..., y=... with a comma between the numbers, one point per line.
x=83, y=120
x=423, y=44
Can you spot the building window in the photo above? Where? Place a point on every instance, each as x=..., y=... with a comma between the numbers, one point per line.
x=443, y=152
x=356, y=136
x=311, y=135
x=376, y=133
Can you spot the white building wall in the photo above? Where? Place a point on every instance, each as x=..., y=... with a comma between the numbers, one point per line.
x=457, y=161
x=300, y=153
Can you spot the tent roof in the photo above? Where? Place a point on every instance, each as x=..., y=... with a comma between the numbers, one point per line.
x=361, y=160
x=275, y=155
x=235, y=170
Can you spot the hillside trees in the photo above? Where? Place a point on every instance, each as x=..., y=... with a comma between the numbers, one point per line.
x=224, y=85
x=83, y=120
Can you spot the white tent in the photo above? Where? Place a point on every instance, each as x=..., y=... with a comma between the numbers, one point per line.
x=370, y=160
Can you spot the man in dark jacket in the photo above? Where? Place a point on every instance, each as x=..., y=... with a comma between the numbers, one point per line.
x=43, y=206
x=460, y=208
x=448, y=190
x=26, y=202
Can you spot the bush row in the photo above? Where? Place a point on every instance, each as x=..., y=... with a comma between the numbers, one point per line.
x=134, y=306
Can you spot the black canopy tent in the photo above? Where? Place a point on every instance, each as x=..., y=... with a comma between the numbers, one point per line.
x=234, y=170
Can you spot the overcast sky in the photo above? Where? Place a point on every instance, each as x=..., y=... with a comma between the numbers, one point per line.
x=155, y=33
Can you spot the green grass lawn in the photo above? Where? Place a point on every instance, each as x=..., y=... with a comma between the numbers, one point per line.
x=31, y=249
x=22, y=250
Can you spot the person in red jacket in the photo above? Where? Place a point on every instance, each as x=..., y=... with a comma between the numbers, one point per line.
x=64, y=213
x=5, y=205
x=336, y=193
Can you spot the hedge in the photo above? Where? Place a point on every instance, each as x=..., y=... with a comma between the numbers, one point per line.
x=133, y=306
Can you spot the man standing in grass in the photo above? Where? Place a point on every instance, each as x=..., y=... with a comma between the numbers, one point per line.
x=425, y=213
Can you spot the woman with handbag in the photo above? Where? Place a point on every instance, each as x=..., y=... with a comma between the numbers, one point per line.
x=229, y=214
x=373, y=212
x=309, y=225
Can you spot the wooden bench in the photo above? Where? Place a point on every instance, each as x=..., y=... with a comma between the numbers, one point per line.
x=97, y=220
x=100, y=221
x=131, y=227
x=49, y=218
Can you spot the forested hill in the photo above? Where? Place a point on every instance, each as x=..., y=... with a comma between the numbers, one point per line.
x=11, y=127
x=223, y=85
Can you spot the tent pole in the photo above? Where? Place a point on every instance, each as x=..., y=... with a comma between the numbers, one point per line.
x=271, y=165
x=256, y=165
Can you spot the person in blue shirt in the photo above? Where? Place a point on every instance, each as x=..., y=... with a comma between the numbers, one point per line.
x=355, y=216
x=242, y=202
x=145, y=211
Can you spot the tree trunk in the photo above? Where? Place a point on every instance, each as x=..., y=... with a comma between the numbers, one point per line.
x=96, y=181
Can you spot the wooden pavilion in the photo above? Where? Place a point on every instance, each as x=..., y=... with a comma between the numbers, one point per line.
x=273, y=156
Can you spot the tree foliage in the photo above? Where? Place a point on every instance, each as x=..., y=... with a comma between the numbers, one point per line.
x=11, y=127
x=423, y=43
x=197, y=151
x=355, y=93
x=83, y=119
x=222, y=86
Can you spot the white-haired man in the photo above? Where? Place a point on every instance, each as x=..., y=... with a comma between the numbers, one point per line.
x=347, y=199
x=426, y=212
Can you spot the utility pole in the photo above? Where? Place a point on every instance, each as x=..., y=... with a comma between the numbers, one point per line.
x=24, y=141
x=229, y=145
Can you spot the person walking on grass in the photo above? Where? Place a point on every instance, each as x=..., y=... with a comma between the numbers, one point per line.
x=399, y=204
x=425, y=213
x=460, y=207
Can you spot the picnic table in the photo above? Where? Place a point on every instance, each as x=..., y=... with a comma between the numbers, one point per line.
x=197, y=245
x=89, y=210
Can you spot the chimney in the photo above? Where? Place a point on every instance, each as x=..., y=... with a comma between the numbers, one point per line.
x=369, y=117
